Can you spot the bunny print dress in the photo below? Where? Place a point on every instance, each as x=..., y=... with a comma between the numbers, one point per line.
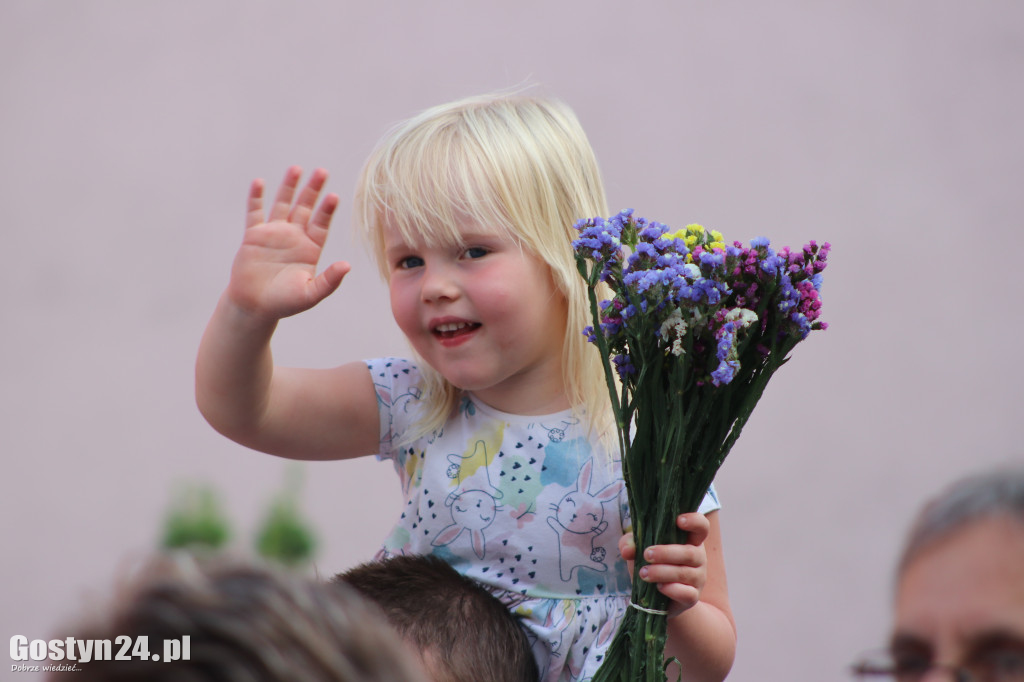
x=525, y=504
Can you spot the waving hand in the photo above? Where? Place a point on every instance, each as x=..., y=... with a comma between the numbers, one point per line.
x=275, y=271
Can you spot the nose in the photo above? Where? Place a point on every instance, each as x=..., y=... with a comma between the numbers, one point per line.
x=440, y=282
x=945, y=673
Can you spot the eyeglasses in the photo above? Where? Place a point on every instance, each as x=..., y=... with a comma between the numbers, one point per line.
x=1000, y=665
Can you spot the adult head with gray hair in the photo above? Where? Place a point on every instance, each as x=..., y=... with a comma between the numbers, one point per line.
x=990, y=495
x=959, y=598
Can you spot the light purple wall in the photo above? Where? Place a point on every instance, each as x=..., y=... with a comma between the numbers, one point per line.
x=129, y=133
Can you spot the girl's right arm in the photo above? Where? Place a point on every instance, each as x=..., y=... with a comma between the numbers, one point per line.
x=295, y=413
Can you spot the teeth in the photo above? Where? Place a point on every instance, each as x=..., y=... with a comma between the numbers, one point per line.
x=452, y=326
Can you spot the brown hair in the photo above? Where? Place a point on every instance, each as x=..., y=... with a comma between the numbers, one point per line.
x=463, y=631
x=245, y=623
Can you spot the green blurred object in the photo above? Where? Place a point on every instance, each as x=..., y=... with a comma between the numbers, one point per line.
x=196, y=521
x=286, y=537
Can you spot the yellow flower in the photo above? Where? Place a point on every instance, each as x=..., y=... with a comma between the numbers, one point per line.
x=694, y=234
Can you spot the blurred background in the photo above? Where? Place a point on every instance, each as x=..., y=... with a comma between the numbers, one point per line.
x=129, y=133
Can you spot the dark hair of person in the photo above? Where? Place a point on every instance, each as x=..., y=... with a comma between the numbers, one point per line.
x=463, y=631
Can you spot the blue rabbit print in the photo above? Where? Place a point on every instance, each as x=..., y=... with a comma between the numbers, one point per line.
x=579, y=520
x=473, y=510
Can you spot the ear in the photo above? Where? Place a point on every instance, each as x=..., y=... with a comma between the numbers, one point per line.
x=610, y=491
x=447, y=536
x=583, y=482
x=479, y=544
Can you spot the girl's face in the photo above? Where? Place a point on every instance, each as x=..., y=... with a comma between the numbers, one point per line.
x=486, y=315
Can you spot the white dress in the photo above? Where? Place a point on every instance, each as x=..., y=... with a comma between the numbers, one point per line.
x=525, y=504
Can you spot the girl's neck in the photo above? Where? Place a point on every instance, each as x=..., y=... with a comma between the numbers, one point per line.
x=548, y=398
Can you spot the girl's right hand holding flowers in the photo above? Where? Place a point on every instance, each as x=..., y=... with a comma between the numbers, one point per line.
x=274, y=272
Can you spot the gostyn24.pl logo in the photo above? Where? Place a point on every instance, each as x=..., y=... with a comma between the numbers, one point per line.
x=69, y=652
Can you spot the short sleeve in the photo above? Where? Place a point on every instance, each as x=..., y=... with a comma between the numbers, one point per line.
x=396, y=383
x=710, y=502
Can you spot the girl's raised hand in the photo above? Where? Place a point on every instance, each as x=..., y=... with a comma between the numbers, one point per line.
x=274, y=273
x=679, y=570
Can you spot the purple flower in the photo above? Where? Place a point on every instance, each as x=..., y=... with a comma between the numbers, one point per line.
x=803, y=326
x=711, y=292
x=711, y=258
x=772, y=264
x=624, y=366
x=725, y=352
x=725, y=372
x=789, y=296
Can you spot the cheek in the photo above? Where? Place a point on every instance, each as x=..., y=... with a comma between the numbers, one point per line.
x=403, y=305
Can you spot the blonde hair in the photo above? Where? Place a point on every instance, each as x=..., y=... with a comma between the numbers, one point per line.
x=517, y=163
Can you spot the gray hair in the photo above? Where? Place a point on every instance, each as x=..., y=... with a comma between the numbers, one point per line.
x=996, y=493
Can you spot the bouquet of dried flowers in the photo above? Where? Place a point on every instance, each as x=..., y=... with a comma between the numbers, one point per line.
x=694, y=328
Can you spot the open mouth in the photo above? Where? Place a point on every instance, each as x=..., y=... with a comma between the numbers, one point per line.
x=452, y=330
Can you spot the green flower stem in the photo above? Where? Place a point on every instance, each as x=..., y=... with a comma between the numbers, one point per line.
x=675, y=425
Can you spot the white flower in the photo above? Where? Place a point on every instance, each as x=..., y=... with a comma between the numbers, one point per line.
x=674, y=327
x=744, y=316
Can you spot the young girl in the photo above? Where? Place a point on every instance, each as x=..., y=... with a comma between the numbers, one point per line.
x=498, y=428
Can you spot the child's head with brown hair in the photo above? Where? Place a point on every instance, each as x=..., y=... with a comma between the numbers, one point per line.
x=462, y=631
x=517, y=166
x=244, y=623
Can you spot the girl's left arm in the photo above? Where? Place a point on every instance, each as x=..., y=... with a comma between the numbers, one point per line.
x=701, y=630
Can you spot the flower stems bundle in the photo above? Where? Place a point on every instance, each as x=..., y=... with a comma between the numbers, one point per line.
x=694, y=329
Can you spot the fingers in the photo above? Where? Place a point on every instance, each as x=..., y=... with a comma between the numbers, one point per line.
x=680, y=572
x=304, y=212
x=254, y=209
x=627, y=548
x=696, y=525
x=333, y=275
x=285, y=193
x=686, y=556
x=685, y=596
x=328, y=281
x=307, y=198
x=321, y=222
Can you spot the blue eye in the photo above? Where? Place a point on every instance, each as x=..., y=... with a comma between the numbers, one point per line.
x=410, y=262
x=476, y=252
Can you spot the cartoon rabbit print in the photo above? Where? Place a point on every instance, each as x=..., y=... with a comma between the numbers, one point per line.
x=473, y=510
x=579, y=520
